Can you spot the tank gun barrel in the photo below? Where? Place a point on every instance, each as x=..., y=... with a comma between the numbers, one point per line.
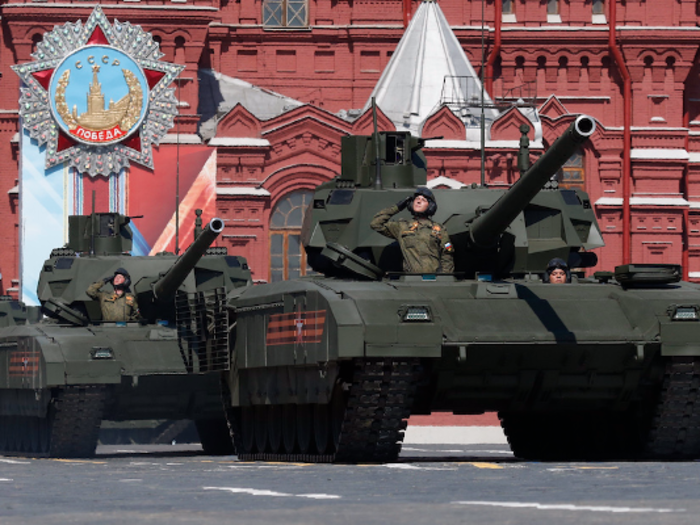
x=486, y=228
x=177, y=274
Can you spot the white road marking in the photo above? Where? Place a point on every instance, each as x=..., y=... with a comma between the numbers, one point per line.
x=318, y=496
x=568, y=469
x=565, y=506
x=289, y=466
x=6, y=479
x=271, y=493
x=406, y=466
x=455, y=451
x=14, y=461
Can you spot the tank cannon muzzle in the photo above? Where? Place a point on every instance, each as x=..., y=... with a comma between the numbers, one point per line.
x=486, y=228
x=176, y=275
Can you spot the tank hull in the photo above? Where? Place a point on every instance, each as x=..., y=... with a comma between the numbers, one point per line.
x=523, y=348
x=115, y=373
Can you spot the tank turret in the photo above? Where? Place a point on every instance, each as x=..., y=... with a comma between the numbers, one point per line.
x=499, y=232
x=486, y=229
x=98, y=245
x=168, y=284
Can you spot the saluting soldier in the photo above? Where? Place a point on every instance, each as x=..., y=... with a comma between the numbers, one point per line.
x=425, y=244
x=119, y=305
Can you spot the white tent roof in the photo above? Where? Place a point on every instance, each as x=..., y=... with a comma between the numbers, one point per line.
x=428, y=69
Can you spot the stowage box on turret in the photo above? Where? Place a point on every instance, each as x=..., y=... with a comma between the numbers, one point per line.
x=61, y=377
x=328, y=367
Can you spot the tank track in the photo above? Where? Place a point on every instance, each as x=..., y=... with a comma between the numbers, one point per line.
x=675, y=430
x=379, y=400
x=70, y=429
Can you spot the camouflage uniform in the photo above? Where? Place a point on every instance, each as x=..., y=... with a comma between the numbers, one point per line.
x=424, y=243
x=115, y=308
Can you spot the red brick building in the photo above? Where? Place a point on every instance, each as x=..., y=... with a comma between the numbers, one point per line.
x=272, y=85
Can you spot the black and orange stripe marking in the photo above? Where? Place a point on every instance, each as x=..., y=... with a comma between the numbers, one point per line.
x=295, y=328
x=23, y=364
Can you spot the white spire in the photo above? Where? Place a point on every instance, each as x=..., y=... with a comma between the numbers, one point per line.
x=428, y=69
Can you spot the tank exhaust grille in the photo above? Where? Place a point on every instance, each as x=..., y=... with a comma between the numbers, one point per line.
x=202, y=328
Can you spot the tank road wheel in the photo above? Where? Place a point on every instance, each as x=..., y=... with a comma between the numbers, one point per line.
x=247, y=430
x=11, y=439
x=74, y=421
x=289, y=428
x=339, y=403
x=214, y=436
x=675, y=428
x=261, y=427
x=321, y=427
x=44, y=435
x=33, y=438
x=3, y=433
x=274, y=427
x=304, y=428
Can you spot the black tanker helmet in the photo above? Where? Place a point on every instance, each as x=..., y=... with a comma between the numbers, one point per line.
x=127, y=277
x=555, y=264
x=432, y=205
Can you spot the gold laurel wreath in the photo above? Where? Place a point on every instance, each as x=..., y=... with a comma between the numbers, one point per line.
x=61, y=106
x=133, y=111
x=131, y=115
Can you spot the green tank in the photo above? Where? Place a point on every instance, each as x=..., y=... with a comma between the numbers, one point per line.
x=62, y=376
x=329, y=367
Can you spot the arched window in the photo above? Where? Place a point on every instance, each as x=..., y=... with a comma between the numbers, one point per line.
x=287, y=255
x=180, y=50
x=572, y=175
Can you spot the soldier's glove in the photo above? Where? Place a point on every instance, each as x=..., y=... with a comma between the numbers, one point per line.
x=107, y=280
x=402, y=204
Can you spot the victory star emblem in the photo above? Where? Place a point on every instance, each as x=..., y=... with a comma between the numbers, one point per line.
x=97, y=96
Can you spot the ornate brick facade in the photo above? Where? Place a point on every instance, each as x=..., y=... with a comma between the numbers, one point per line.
x=563, y=62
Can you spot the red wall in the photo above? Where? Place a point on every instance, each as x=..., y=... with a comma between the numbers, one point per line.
x=335, y=63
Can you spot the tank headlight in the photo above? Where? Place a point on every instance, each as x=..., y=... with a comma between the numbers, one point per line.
x=417, y=313
x=101, y=352
x=685, y=313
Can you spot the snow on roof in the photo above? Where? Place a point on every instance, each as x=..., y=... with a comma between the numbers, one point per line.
x=659, y=153
x=428, y=68
x=238, y=141
x=247, y=191
x=219, y=94
x=475, y=144
x=172, y=138
x=643, y=201
x=445, y=181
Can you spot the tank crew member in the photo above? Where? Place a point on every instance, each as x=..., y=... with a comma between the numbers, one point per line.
x=425, y=244
x=557, y=272
x=119, y=305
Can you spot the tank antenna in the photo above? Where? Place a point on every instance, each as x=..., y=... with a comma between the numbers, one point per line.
x=197, y=223
x=375, y=138
x=92, y=226
x=177, y=170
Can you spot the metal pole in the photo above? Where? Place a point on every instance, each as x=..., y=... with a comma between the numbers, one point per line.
x=177, y=171
x=483, y=123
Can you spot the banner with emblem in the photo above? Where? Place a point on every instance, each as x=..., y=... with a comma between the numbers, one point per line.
x=96, y=106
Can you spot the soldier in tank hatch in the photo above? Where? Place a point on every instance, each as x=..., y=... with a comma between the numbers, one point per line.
x=119, y=305
x=425, y=244
x=557, y=272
